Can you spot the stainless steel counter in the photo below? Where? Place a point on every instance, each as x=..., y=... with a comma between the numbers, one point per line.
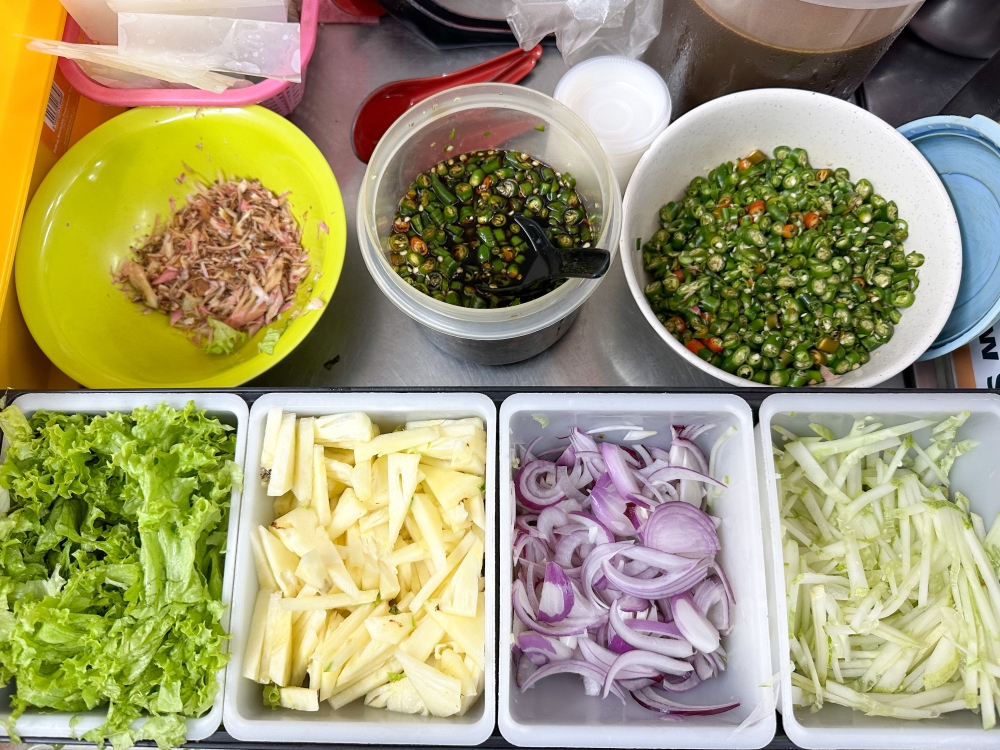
x=362, y=340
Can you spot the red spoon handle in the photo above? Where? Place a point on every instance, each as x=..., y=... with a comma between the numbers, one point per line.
x=518, y=69
x=484, y=71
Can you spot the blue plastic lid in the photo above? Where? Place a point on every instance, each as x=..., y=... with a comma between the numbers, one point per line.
x=965, y=152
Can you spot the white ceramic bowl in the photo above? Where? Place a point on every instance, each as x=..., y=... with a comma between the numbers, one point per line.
x=834, y=133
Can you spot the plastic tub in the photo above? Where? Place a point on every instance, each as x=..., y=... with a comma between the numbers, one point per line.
x=834, y=133
x=625, y=102
x=555, y=712
x=974, y=474
x=246, y=718
x=485, y=116
x=228, y=409
x=278, y=96
x=709, y=48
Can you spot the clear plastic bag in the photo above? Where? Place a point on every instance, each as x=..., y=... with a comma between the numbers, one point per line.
x=256, y=48
x=587, y=28
x=251, y=10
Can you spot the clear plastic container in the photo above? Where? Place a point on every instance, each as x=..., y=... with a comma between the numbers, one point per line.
x=555, y=712
x=486, y=116
x=974, y=475
x=708, y=48
x=625, y=102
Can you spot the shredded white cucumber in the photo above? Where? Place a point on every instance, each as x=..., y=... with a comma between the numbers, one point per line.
x=893, y=587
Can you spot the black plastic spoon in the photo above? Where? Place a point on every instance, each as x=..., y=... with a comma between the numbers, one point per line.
x=544, y=262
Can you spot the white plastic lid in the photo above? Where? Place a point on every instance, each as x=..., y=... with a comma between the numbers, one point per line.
x=624, y=102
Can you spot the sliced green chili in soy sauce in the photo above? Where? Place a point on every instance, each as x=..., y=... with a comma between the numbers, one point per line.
x=452, y=231
x=778, y=272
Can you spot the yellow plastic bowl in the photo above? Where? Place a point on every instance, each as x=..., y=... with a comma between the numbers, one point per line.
x=105, y=194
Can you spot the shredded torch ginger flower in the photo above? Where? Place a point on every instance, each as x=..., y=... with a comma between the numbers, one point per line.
x=233, y=254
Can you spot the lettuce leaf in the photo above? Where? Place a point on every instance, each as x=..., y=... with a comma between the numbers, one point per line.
x=224, y=339
x=111, y=558
x=270, y=340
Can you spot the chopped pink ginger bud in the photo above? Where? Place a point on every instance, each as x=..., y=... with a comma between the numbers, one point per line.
x=167, y=276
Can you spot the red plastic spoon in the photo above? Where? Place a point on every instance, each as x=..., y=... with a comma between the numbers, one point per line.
x=385, y=105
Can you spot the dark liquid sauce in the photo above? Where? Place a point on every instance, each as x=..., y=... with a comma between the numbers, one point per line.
x=702, y=58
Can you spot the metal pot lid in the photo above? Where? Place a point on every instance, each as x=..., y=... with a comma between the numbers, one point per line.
x=965, y=152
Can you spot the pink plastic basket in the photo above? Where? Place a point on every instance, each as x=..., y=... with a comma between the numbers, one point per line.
x=279, y=96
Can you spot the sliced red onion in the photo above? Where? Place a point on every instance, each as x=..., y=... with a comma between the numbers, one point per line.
x=530, y=548
x=680, y=528
x=682, y=685
x=568, y=545
x=617, y=581
x=657, y=628
x=690, y=431
x=566, y=484
x=678, y=649
x=603, y=658
x=702, y=667
x=609, y=507
x=599, y=533
x=615, y=428
x=646, y=658
x=629, y=603
x=616, y=644
x=567, y=457
x=618, y=468
x=668, y=584
x=659, y=454
x=581, y=441
x=695, y=452
x=655, y=701
x=573, y=666
x=663, y=560
x=529, y=455
x=556, y=599
x=548, y=519
x=631, y=457
x=694, y=626
x=673, y=472
x=718, y=663
x=567, y=626
x=525, y=668
x=535, y=485
x=541, y=646
x=710, y=598
x=725, y=583
x=644, y=455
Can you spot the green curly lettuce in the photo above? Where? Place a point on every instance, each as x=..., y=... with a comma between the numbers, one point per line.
x=111, y=561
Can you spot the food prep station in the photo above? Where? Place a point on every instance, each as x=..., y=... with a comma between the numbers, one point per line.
x=610, y=367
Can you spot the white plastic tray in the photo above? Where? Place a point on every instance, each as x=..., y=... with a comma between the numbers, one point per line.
x=245, y=716
x=974, y=474
x=228, y=409
x=556, y=713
